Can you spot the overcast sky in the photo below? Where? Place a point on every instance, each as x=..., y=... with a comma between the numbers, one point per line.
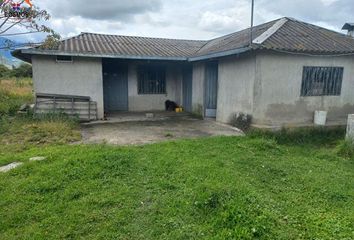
x=186, y=19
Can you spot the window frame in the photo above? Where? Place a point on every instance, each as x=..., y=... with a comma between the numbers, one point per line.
x=331, y=86
x=64, y=61
x=148, y=71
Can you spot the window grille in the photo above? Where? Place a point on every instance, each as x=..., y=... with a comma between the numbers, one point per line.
x=151, y=80
x=322, y=81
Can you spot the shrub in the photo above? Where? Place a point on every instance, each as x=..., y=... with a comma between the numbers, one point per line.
x=10, y=103
x=345, y=149
x=311, y=135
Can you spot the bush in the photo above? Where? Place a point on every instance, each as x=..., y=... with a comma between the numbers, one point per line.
x=346, y=149
x=242, y=121
x=22, y=71
x=312, y=135
x=10, y=103
x=4, y=71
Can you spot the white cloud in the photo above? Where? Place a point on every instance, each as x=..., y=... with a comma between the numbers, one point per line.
x=197, y=19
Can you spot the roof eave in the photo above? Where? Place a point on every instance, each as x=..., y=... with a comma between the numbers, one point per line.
x=73, y=54
x=220, y=54
x=22, y=56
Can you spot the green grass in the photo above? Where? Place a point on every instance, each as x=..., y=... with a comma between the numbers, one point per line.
x=20, y=133
x=292, y=184
x=216, y=188
x=14, y=93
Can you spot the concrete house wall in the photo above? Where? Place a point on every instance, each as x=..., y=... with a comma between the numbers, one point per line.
x=154, y=102
x=82, y=77
x=265, y=84
x=277, y=99
x=198, y=88
x=235, y=87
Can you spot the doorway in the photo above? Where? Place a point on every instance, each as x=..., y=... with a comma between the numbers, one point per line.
x=211, y=89
x=115, y=85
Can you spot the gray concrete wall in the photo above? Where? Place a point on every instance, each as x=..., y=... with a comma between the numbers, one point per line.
x=198, y=88
x=154, y=102
x=277, y=99
x=236, y=81
x=82, y=77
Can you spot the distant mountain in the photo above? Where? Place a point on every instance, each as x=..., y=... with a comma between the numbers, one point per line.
x=5, y=54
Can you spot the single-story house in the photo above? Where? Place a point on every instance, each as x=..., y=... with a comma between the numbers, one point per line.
x=289, y=70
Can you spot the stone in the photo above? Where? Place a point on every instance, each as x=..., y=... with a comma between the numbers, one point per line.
x=350, y=128
x=23, y=108
x=34, y=159
x=10, y=166
x=149, y=115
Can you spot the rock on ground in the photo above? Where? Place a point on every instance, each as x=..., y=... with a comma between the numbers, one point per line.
x=10, y=166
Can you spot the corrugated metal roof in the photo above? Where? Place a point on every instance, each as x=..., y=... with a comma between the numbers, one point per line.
x=297, y=36
x=284, y=34
x=127, y=45
x=235, y=40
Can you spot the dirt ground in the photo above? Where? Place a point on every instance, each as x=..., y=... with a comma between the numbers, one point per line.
x=137, y=129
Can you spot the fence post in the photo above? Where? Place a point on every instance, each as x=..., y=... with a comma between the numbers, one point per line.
x=350, y=128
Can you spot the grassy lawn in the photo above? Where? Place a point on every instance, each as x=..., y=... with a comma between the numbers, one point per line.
x=297, y=185
x=21, y=132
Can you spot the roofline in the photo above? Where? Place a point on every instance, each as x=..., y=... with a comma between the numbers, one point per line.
x=220, y=54
x=20, y=53
x=270, y=32
x=73, y=54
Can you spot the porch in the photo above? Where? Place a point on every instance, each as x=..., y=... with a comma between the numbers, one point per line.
x=136, y=128
x=137, y=86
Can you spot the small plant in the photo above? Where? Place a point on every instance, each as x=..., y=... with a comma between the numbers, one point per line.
x=300, y=136
x=169, y=135
x=242, y=121
x=346, y=149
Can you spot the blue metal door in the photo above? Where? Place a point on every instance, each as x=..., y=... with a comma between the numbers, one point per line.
x=187, y=88
x=211, y=89
x=115, y=84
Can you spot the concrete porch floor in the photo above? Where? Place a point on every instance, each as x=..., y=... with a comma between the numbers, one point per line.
x=130, y=128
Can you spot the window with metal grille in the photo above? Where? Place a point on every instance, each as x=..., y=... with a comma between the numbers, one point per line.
x=322, y=81
x=151, y=80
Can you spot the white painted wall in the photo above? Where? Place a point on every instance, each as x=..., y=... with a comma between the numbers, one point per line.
x=198, y=88
x=236, y=81
x=82, y=77
x=154, y=102
x=277, y=99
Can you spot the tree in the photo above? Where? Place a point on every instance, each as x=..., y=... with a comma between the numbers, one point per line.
x=23, y=71
x=25, y=18
x=4, y=71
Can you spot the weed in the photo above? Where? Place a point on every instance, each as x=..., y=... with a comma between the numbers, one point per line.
x=346, y=149
x=301, y=136
x=169, y=135
x=242, y=121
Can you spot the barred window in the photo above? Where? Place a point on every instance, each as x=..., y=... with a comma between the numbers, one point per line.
x=322, y=81
x=151, y=80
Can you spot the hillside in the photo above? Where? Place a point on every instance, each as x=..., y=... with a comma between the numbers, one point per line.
x=5, y=54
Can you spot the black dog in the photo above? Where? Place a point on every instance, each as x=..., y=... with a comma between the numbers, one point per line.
x=170, y=106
